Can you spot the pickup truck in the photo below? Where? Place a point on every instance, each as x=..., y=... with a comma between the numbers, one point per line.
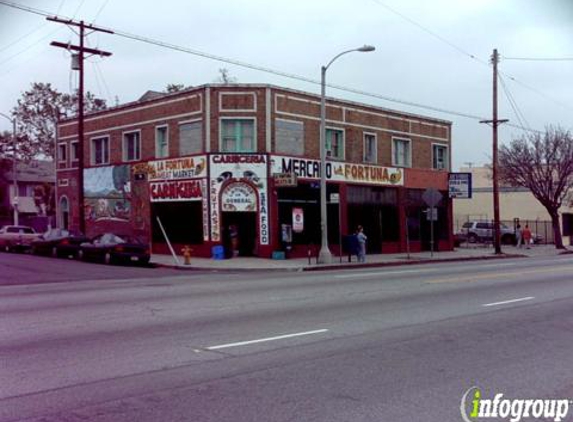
x=17, y=237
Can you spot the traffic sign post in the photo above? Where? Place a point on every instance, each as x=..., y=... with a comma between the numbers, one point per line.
x=432, y=197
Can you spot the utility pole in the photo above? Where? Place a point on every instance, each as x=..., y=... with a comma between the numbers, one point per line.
x=495, y=122
x=82, y=50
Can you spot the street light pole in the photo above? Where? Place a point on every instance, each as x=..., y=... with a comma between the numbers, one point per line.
x=325, y=256
x=14, y=168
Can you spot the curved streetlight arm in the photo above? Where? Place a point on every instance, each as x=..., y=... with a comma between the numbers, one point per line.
x=363, y=49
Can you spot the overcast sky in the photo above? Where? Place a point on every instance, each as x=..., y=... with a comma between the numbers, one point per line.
x=298, y=36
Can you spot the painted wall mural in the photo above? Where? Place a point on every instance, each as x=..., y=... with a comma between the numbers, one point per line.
x=107, y=193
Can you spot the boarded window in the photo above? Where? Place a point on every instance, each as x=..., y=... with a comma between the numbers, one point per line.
x=190, y=138
x=289, y=137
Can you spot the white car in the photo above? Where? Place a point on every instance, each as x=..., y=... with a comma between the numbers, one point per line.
x=17, y=237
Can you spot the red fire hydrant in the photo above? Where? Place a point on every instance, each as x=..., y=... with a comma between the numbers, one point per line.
x=186, y=251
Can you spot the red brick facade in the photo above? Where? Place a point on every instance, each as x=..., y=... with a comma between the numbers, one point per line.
x=207, y=107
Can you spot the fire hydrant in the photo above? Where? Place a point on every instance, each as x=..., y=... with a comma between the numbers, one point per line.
x=186, y=251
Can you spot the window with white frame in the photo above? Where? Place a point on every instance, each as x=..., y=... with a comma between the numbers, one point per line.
x=62, y=153
x=74, y=151
x=100, y=150
x=132, y=146
x=334, y=143
x=238, y=135
x=161, y=142
x=370, y=148
x=440, y=157
x=190, y=138
x=401, y=152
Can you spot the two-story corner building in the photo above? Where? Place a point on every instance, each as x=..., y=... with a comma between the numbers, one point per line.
x=243, y=160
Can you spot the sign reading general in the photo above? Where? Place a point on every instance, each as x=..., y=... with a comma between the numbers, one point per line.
x=460, y=185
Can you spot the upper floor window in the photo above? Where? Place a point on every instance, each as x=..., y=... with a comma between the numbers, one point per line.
x=132, y=146
x=62, y=153
x=289, y=137
x=440, y=157
x=370, y=148
x=335, y=143
x=74, y=151
x=401, y=152
x=100, y=150
x=238, y=135
x=190, y=138
x=161, y=142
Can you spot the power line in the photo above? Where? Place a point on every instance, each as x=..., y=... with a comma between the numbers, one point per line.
x=100, y=10
x=16, y=41
x=513, y=104
x=270, y=70
x=432, y=33
x=541, y=59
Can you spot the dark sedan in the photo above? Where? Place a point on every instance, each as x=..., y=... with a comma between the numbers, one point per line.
x=58, y=243
x=111, y=249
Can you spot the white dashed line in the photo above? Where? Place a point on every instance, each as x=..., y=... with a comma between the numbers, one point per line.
x=505, y=302
x=261, y=340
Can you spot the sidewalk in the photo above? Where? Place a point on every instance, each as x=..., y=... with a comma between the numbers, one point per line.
x=301, y=264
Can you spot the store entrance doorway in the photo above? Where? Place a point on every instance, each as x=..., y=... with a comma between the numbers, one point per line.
x=240, y=233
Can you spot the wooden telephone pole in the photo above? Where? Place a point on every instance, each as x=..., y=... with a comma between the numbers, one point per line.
x=82, y=50
x=495, y=122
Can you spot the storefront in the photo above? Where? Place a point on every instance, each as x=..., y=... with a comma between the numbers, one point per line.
x=254, y=204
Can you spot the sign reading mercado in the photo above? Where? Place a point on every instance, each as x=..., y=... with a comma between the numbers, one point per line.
x=338, y=171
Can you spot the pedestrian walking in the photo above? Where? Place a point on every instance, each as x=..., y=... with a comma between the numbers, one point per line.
x=361, y=237
x=526, y=234
x=518, y=236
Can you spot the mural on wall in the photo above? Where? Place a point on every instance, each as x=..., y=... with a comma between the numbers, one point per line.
x=107, y=193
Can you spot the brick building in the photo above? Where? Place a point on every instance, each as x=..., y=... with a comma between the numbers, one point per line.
x=242, y=161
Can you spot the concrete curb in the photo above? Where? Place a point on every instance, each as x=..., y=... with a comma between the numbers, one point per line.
x=343, y=266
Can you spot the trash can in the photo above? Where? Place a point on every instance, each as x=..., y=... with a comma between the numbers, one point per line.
x=218, y=252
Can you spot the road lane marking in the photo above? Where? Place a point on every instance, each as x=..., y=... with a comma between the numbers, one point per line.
x=261, y=340
x=382, y=273
x=505, y=302
x=497, y=276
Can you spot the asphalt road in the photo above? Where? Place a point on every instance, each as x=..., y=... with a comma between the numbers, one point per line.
x=389, y=344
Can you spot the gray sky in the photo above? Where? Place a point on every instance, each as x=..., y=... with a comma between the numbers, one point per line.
x=298, y=36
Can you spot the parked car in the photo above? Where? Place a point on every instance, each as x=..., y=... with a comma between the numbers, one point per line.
x=482, y=231
x=59, y=243
x=17, y=238
x=111, y=248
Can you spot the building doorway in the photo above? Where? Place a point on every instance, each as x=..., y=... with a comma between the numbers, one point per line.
x=240, y=233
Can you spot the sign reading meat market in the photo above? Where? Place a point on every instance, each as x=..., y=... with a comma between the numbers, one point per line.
x=338, y=171
x=180, y=190
x=177, y=168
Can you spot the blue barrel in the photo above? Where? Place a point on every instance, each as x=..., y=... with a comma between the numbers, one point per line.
x=218, y=252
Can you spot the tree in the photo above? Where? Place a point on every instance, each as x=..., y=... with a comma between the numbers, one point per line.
x=171, y=88
x=225, y=78
x=542, y=163
x=37, y=114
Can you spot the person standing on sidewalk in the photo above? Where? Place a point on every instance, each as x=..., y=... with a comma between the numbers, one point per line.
x=518, y=236
x=361, y=237
x=526, y=234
